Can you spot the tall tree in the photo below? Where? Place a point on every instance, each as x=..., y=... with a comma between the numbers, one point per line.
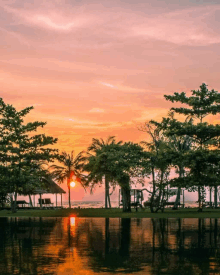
x=4, y=185
x=200, y=104
x=120, y=163
x=70, y=169
x=178, y=147
x=98, y=166
x=129, y=166
x=159, y=162
x=22, y=149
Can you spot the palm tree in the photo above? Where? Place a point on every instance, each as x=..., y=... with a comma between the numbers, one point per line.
x=71, y=166
x=97, y=164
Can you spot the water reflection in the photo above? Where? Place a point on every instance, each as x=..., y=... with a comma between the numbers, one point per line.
x=109, y=246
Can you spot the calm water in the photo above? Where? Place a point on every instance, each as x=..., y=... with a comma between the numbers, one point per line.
x=101, y=204
x=109, y=246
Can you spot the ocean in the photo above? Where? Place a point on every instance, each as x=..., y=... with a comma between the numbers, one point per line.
x=101, y=204
x=89, y=204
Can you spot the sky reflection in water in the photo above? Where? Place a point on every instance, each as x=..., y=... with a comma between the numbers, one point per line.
x=109, y=246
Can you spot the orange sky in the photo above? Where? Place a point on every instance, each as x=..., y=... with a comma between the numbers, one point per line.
x=98, y=68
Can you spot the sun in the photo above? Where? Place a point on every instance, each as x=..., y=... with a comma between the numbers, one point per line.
x=72, y=184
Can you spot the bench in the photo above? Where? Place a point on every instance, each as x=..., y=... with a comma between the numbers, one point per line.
x=22, y=203
x=134, y=204
x=172, y=203
x=168, y=203
x=45, y=202
x=210, y=204
x=48, y=202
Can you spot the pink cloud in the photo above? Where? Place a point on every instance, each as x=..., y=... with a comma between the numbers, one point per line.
x=100, y=68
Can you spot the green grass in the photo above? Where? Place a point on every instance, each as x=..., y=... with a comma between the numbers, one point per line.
x=114, y=213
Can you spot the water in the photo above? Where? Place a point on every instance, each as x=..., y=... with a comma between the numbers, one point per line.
x=89, y=204
x=91, y=246
x=101, y=204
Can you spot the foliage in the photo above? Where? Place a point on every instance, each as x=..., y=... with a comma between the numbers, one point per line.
x=71, y=166
x=202, y=102
x=118, y=162
x=178, y=146
x=21, y=152
x=203, y=160
x=159, y=161
x=97, y=165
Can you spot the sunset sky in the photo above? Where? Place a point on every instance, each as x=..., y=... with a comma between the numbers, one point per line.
x=99, y=68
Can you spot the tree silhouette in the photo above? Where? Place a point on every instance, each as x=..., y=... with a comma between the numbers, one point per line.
x=98, y=165
x=203, y=161
x=70, y=167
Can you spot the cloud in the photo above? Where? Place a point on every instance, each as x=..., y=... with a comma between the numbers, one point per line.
x=151, y=113
x=96, y=110
x=95, y=26
x=108, y=85
x=123, y=88
x=48, y=17
x=184, y=27
x=52, y=24
x=15, y=35
x=124, y=55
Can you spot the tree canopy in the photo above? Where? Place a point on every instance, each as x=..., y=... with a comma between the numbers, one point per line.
x=203, y=160
x=21, y=151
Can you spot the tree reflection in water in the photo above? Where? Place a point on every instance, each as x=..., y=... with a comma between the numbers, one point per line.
x=109, y=246
x=24, y=245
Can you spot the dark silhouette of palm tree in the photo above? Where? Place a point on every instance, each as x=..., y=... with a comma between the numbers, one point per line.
x=70, y=166
x=97, y=164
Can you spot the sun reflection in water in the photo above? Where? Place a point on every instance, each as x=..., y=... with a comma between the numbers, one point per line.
x=72, y=221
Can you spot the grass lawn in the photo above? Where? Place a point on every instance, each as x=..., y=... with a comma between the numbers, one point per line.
x=113, y=213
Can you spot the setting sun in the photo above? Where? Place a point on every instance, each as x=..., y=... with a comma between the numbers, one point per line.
x=72, y=184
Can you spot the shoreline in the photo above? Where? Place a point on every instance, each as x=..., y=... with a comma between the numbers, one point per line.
x=112, y=213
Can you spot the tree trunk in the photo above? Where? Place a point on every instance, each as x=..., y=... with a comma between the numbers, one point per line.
x=30, y=201
x=126, y=199
x=109, y=202
x=14, y=204
x=11, y=200
x=2, y=201
x=157, y=202
x=154, y=191
x=107, y=196
x=216, y=197
x=40, y=201
x=159, y=205
x=68, y=184
x=199, y=199
x=69, y=198
x=177, y=201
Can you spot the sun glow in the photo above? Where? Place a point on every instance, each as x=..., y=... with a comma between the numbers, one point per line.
x=72, y=221
x=72, y=184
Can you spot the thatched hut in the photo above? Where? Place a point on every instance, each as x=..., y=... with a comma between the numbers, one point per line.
x=48, y=186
